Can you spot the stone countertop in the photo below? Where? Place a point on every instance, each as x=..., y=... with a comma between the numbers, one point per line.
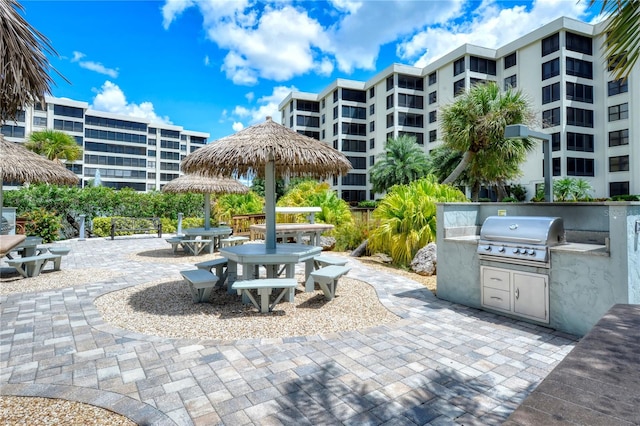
x=581, y=248
x=597, y=383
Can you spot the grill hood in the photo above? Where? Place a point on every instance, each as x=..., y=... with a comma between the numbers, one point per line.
x=524, y=230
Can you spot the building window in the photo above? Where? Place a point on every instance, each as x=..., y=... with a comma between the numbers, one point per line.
x=551, y=44
x=307, y=121
x=579, y=68
x=291, y=107
x=551, y=69
x=619, y=164
x=579, y=92
x=308, y=106
x=335, y=129
x=372, y=126
x=618, y=188
x=580, y=166
x=389, y=82
x=432, y=78
x=551, y=93
x=433, y=97
x=356, y=129
x=323, y=134
x=510, y=61
x=482, y=65
x=619, y=137
x=354, y=179
x=556, y=164
x=433, y=116
x=578, y=43
x=12, y=131
x=372, y=92
x=323, y=104
x=410, y=120
x=555, y=142
x=291, y=121
x=616, y=87
x=372, y=143
x=335, y=96
x=68, y=126
x=372, y=109
x=68, y=111
x=322, y=118
x=354, y=145
x=410, y=82
x=613, y=61
x=458, y=87
x=354, y=95
x=335, y=113
x=579, y=142
x=335, y=145
x=390, y=122
x=458, y=66
x=419, y=137
x=390, y=101
x=511, y=82
x=359, y=113
x=358, y=163
x=40, y=121
x=551, y=118
x=410, y=101
x=433, y=135
x=619, y=112
x=372, y=160
x=579, y=117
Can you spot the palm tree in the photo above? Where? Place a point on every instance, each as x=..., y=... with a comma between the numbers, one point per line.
x=23, y=64
x=55, y=145
x=402, y=162
x=623, y=34
x=474, y=125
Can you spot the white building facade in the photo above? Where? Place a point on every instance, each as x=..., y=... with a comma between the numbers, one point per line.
x=127, y=151
x=592, y=118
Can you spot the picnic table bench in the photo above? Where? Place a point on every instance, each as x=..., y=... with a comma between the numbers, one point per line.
x=201, y=283
x=220, y=265
x=31, y=266
x=327, y=278
x=233, y=240
x=263, y=288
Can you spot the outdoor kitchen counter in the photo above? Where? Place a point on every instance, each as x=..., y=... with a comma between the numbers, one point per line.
x=581, y=248
x=598, y=382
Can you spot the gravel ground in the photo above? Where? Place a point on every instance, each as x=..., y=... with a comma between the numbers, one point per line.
x=12, y=282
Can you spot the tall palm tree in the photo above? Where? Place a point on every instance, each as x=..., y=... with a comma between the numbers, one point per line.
x=623, y=34
x=55, y=145
x=474, y=125
x=23, y=64
x=402, y=162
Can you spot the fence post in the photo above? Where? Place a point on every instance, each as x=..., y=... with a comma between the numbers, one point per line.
x=82, y=232
x=179, y=231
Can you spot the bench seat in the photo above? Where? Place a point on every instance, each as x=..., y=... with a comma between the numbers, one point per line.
x=201, y=283
x=327, y=277
x=195, y=247
x=32, y=266
x=233, y=241
x=323, y=260
x=263, y=287
x=175, y=243
x=220, y=264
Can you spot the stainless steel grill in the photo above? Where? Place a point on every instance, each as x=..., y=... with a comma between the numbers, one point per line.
x=522, y=240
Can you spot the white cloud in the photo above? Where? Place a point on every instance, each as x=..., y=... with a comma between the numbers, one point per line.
x=491, y=26
x=110, y=98
x=172, y=9
x=207, y=61
x=250, y=96
x=266, y=106
x=93, y=66
x=237, y=126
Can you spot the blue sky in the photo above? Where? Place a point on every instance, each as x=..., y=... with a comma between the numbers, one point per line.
x=219, y=66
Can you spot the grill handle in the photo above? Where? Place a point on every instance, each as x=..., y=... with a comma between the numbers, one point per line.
x=502, y=238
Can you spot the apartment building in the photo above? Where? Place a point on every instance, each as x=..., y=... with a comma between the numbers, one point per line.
x=125, y=151
x=592, y=118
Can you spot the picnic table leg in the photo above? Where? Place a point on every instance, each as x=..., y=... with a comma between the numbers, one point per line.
x=291, y=273
x=232, y=275
x=264, y=299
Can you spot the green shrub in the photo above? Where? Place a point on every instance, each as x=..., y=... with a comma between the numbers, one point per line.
x=44, y=224
x=311, y=193
x=509, y=200
x=368, y=204
x=350, y=235
x=625, y=198
x=194, y=222
x=519, y=192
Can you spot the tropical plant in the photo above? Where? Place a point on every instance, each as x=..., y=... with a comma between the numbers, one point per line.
x=311, y=193
x=571, y=189
x=55, y=145
x=402, y=162
x=407, y=218
x=622, y=47
x=229, y=205
x=518, y=192
x=23, y=61
x=43, y=223
x=474, y=126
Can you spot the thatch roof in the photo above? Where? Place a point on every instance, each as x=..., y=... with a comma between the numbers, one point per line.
x=247, y=151
x=19, y=164
x=23, y=63
x=205, y=185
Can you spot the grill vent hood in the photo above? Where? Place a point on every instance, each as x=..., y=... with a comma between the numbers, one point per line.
x=529, y=230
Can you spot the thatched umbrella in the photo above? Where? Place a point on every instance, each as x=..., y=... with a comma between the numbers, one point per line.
x=20, y=164
x=267, y=150
x=206, y=186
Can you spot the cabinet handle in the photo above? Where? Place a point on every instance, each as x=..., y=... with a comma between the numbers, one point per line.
x=497, y=298
x=517, y=293
x=496, y=279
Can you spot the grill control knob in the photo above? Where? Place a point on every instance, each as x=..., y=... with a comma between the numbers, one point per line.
x=487, y=248
x=532, y=252
x=516, y=251
x=501, y=249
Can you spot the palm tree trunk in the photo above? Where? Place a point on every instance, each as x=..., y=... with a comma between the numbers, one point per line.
x=475, y=191
x=501, y=190
x=455, y=174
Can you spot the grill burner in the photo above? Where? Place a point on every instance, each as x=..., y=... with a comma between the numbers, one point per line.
x=520, y=239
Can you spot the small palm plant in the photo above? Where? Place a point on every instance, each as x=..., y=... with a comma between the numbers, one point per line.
x=407, y=218
x=310, y=193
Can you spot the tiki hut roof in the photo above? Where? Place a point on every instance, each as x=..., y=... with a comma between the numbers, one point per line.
x=247, y=151
x=205, y=185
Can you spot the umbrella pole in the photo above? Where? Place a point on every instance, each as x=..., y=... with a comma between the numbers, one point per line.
x=270, y=203
x=207, y=211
